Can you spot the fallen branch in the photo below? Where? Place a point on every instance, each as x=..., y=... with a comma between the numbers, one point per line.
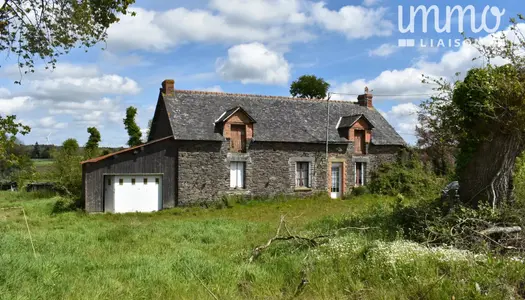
x=494, y=230
x=311, y=241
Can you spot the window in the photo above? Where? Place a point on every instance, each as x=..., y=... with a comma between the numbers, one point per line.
x=157, y=181
x=302, y=175
x=133, y=181
x=237, y=175
x=145, y=181
x=109, y=181
x=238, y=138
x=360, y=169
x=121, y=181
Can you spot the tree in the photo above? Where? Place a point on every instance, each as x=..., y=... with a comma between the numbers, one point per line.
x=36, y=151
x=135, y=135
x=47, y=29
x=91, y=147
x=150, y=122
x=67, y=170
x=9, y=129
x=13, y=159
x=70, y=147
x=310, y=87
x=485, y=114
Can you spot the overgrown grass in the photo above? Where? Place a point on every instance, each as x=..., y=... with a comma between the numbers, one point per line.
x=180, y=253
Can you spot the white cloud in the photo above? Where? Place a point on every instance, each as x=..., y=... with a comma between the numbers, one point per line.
x=404, y=119
x=353, y=21
x=50, y=123
x=214, y=88
x=15, y=104
x=262, y=11
x=254, y=63
x=406, y=84
x=160, y=31
x=82, y=88
x=384, y=50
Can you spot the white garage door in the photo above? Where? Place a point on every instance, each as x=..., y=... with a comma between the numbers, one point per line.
x=133, y=193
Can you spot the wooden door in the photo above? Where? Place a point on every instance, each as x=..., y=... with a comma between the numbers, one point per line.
x=238, y=138
x=359, y=142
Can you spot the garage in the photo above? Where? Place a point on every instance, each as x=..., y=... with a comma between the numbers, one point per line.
x=132, y=193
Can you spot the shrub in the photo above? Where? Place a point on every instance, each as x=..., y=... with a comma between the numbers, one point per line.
x=407, y=176
x=360, y=191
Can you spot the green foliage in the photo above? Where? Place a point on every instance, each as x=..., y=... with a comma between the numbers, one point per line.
x=9, y=129
x=519, y=180
x=407, y=176
x=67, y=170
x=15, y=164
x=360, y=191
x=188, y=252
x=33, y=29
x=309, y=86
x=91, y=148
x=134, y=133
x=70, y=147
x=36, y=151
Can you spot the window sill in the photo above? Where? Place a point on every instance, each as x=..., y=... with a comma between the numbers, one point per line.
x=303, y=189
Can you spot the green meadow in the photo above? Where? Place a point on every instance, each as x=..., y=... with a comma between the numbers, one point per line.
x=203, y=253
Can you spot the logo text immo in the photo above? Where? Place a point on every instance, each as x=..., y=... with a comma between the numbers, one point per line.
x=448, y=18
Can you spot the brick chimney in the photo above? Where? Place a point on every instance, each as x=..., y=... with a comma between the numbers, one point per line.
x=365, y=99
x=168, y=87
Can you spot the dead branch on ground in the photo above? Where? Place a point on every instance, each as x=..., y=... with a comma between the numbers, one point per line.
x=311, y=242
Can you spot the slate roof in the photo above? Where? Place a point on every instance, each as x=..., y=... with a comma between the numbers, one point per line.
x=193, y=114
x=349, y=121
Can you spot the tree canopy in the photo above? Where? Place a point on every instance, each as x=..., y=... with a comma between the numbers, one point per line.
x=47, y=29
x=9, y=129
x=483, y=115
x=92, y=144
x=134, y=133
x=310, y=87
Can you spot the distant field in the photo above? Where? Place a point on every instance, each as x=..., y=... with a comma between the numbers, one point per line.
x=42, y=162
x=197, y=253
x=42, y=166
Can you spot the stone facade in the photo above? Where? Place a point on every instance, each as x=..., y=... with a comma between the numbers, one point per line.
x=204, y=168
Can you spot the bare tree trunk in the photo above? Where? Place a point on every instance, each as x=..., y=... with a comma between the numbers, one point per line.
x=488, y=175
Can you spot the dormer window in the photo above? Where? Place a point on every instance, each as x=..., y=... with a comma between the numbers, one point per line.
x=236, y=125
x=357, y=129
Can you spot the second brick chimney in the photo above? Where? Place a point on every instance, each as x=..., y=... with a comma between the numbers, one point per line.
x=365, y=99
x=168, y=87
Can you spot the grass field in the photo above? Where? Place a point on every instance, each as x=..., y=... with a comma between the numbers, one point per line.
x=197, y=253
x=42, y=166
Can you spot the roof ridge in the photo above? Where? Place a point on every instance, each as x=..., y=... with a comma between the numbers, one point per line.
x=260, y=96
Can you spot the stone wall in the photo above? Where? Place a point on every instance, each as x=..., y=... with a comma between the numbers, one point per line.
x=204, y=168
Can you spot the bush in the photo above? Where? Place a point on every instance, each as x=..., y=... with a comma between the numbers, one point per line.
x=407, y=176
x=360, y=191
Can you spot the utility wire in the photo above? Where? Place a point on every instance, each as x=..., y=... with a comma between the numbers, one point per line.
x=385, y=95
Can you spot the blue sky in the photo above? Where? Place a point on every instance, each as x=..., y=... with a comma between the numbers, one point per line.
x=244, y=46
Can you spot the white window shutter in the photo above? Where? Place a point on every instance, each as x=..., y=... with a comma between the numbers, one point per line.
x=233, y=174
x=240, y=179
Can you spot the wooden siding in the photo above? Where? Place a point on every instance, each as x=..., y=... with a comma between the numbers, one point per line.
x=157, y=158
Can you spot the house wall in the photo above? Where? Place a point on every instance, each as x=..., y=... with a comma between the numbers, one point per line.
x=204, y=168
x=156, y=158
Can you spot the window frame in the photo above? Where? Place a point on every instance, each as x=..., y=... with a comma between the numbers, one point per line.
x=362, y=173
x=299, y=172
x=238, y=170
